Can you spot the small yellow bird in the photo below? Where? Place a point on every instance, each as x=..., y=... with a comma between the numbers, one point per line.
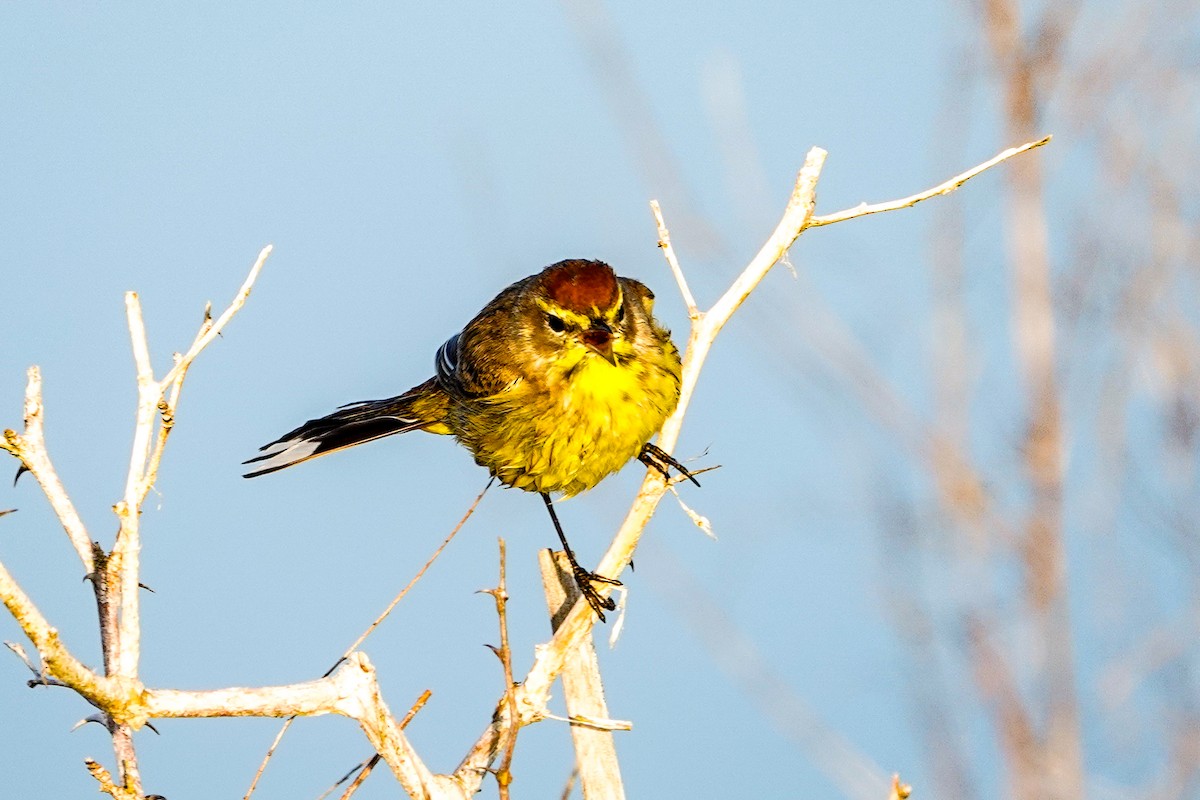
x=557, y=383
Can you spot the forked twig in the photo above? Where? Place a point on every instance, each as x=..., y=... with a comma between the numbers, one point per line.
x=504, y=653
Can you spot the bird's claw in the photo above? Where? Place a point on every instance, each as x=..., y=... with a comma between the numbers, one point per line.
x=657, y=458
x=584, y=580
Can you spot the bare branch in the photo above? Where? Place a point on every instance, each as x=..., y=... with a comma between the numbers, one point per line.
x=124, y=562
x=595, y=752
x=946, y=187
x=58, y=661
x=267, y=758
x=364, y=768
x=664, y=241
x=147, y=388
x=900, y=791
x=30, y=448
x=500, y=594
x=209, y=330
x=107, y=786
x=420, y=573
x=796, y=217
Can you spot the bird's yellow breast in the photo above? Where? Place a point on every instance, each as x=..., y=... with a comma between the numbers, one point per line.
x=579, y=424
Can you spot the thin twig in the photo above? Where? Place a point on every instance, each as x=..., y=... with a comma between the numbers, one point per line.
x=504, y=653
x=946, y=187
x=58, y=660
x=364, y=768
x=664, y=241
x=209, y=331
x=149, y=393
x=262, y=766
x=900, y=791
x=570, y=785
x=107, y=786
x=30, y=448
x=371, y=628
x=420, y=573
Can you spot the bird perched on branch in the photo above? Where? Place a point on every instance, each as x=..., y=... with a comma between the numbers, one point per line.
x=557, y=383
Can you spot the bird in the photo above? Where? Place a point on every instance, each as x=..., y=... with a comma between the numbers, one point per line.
x=560, y=381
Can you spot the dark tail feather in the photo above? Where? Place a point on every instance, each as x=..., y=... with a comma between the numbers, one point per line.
x=346, y=427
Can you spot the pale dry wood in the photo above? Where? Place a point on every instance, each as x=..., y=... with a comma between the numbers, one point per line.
x=107, y=786
x=30, y=448
x=946, y=187
x=583, y=691
x=143, y=463
x=504, y=777
x=115, y=575
x=900, y=791
x=664, y=241
x=364, y=769
x=57, y=661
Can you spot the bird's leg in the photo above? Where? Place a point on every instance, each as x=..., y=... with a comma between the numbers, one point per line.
x=657, y=458
x=583, y=578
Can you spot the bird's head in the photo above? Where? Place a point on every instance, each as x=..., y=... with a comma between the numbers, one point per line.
x=583, y=311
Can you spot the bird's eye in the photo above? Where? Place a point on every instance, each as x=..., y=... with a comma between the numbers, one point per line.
x=556, y=324
x=620, y=314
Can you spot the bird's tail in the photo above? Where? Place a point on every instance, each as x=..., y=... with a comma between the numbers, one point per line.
x=419, y=408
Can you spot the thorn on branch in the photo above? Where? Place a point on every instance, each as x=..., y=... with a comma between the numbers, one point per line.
x=99, y=719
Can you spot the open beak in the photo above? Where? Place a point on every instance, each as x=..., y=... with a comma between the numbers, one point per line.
x=599, y=339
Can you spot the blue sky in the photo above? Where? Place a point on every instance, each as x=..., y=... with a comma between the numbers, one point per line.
x=407, y=163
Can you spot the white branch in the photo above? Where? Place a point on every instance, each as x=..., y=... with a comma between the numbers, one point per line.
x=143, y=462
x=211, y=329
x=947, y=187
x=30, y=448
x=664, y=241
x=583, y=691
x=57, y=661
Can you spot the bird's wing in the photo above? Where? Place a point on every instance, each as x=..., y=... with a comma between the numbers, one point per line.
x=446, y=361
x=469, y=366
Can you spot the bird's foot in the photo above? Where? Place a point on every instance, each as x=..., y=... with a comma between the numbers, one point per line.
x=657, y=458
x=584, y=580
